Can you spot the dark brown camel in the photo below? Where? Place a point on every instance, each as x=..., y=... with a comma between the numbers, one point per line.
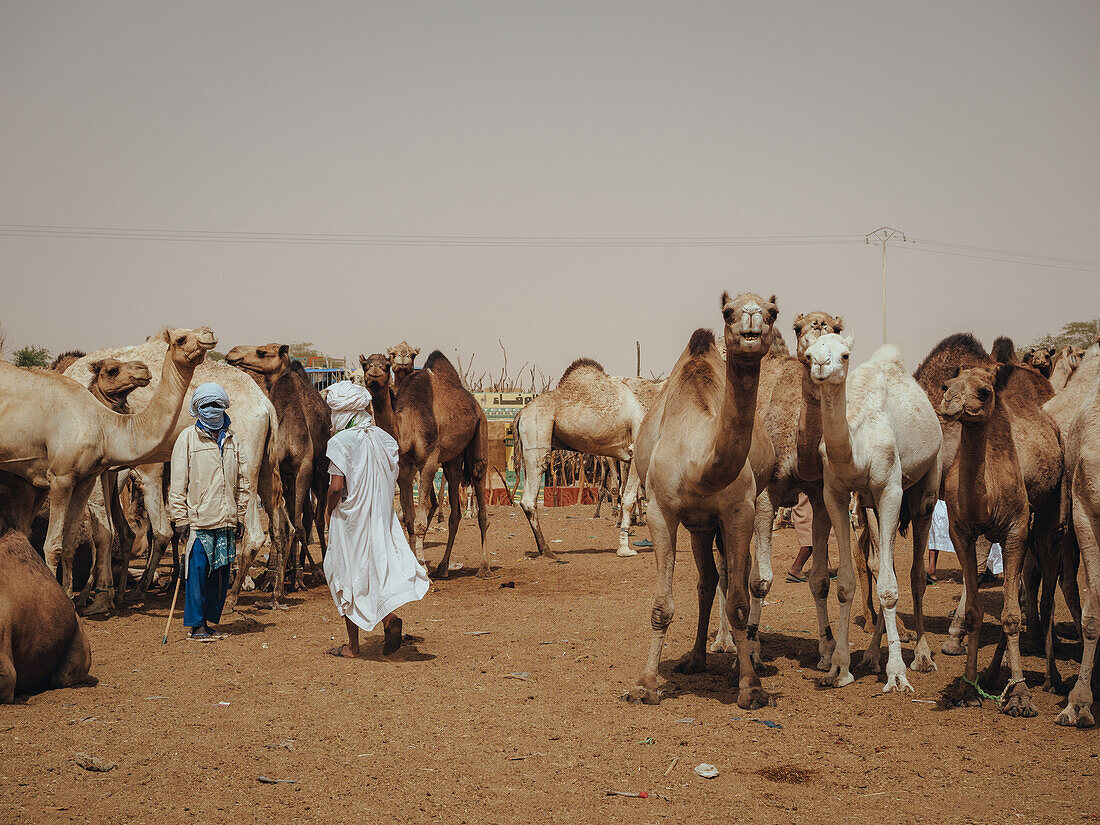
x=303, y=437
x=41, y=642
x=439, y=424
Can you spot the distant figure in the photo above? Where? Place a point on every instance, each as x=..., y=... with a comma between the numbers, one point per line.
x=369, y=566
x=207, y=501
x=802, y=517
x=990, y=562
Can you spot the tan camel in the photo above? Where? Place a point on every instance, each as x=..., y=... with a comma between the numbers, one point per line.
x=1002, y=486
x=301, y=443
x=1064, y=365
x=65, y=360
x=58, y=438
x=589, y=412
x=881, y=440
x=256, y=429
x=439, y=424
x=1081, y=498
x=693, y=457
x=401, y=360
x=41, y=641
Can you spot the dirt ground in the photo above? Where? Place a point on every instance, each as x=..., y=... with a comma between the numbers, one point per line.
x=506, y=708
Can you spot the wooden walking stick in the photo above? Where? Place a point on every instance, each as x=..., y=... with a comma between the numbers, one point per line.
x=171, y=610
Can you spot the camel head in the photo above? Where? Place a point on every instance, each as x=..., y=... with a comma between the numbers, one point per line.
x=1040, y=358
x=117, y=379
x=376, y=371
x=355, y=376
x=189, y=346
x=269, y=359
x=828, y=358
x=749, y=323
x=971, y=395
x=810, y=326
x=401, y=357
x=1073, y=356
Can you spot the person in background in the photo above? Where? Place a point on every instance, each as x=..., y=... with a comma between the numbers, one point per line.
x=207, y=500
x=370, y=568
x=802, y=517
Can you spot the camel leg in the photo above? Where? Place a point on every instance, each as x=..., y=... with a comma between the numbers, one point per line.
x=480, y=498
x=761, y=576
x=61, y=493
x=101, y=575
x=7, y=666
x=962, y=692
x=320, y=492
x=452, y=474
x=74, y=512
x=1018, y=698
x=111, y=493
x=702, y=547
x=836, y=505
x=151, y=479
x=865, y=549
x=1086, y=523
x=735, y=526
x=1046, y=552
x=630, y=495
x=75, y=664
x=662, y=528
x=406, y=474
x=423, y=505
x=723, y=638
x=888, y=503
x=819, y=580
x=534, y=464
x=1071, y=562
x=922, y=500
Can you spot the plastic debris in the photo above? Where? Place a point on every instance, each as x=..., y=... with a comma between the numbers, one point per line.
x=649, y=740
x=92, y=763
x=523, y=677
x=642, y=795
x=768, y=723
x=268, y=781
x=508, y=584
x=706, y=771
x=687, y=721
x=643, y=543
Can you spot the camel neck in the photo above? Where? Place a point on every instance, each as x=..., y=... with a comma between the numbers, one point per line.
x=834, y=426
x=973, y=492
x=735, y=422
x=111, y=402
x=808, y=437
x=382, y=403
x=143, y=434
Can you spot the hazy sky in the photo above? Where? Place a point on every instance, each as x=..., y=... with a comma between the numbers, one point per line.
x=975, y=123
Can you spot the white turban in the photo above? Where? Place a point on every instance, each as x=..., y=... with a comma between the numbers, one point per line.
x=349, y=404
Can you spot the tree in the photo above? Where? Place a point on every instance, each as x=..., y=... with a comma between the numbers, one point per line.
x=1074, y=334
x=31, y=356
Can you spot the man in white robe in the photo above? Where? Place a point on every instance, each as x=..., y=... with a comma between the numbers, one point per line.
x=369, y=566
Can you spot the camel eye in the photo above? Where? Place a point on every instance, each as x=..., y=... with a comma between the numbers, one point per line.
x=983, y=393
x=727, y=314
x=845, y=356
x=943, y=388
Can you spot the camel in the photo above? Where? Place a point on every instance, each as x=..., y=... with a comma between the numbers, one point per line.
x=65, y=360
x=256, y=429
x=789, y=411
x=401, y=360
x=58, y=438
x=693, y=457
x=355, y=376
x=41, y=641
x=1064, y=365
x=589, y=412
x=1081, y=504
x=881, y=440
x=1001, y=487
x=302, y=440
x=438, y=423
x=1041, y=359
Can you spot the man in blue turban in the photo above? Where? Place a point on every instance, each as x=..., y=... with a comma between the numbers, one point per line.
x=207, y=501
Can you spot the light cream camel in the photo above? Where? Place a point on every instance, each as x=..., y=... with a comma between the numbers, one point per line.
x=590, y=412
x=881, y=438
x=401, y=360
x=57, y=437
x=1065, y=363
x=693, y=457
x=1005, y=485
x=1081, y=498
x=256, y=429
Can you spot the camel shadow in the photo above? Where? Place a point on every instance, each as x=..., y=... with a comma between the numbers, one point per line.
x=600, y=551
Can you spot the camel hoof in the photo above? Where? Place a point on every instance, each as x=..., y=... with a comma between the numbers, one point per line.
x=692, y=664
x=441, y=572
x=908, y=636
x=99, y=605
x=871, y=660
x=485, y=572
x=626, y=552
x=1075, y=715
x=757, y=662
x=824, y=664
x=1019, y=703
x=923, y=664
x=754, y=698
x=837, y=677
x=960, y=694
x=641, y=695
x=897, y=682
x=723, y=643
x=953, y=647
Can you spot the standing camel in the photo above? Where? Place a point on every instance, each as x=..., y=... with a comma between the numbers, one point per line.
x=589, y=412
x=57, y=438
x=882, y=440
x=439, y=424
x=303, y=437
x=1004, y=488
x=693, y=456
x=1063, y=366
x=401, y=360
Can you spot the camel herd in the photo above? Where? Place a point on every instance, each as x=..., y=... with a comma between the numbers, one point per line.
x=741, y=427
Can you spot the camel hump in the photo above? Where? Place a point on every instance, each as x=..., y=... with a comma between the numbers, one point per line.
x=66, y=359
x=439, y=364
x=582, y=364
x=700, y=342
x=1004, y=350
x=958, y=344
x=889, y=355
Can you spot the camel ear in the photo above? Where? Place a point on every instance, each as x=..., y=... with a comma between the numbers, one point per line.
x=772, y=300
x=848, y=340
x=958, y=371
x=363, y=360
x=838, y=324
x=95, y=367
x=416, y=351
x=1004, y=372
x=166, y=335
x=1027, y=356
x=284, y=349
x=725, y=298
x=798, y=323
x=389, y=352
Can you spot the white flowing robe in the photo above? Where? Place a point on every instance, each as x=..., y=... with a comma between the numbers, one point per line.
x=370, y=568
x=939, y=538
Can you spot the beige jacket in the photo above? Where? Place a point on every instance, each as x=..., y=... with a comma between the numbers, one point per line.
x=209, y=487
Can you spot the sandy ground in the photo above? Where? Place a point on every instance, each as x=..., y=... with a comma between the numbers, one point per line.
x=506, y=708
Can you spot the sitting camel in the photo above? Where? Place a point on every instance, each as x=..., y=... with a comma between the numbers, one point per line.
x=589, y=412
x=301, y=443
x=693, y=456
x=401, y=360
x=58, y=439
x=41, y=641
x=881, y=440
x=438, y=423
x=1003, y=487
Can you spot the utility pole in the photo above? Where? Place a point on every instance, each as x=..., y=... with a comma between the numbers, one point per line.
x=883, y=235
x=638, y=346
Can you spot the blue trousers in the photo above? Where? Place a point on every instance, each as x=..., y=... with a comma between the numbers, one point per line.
x=205, y=595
